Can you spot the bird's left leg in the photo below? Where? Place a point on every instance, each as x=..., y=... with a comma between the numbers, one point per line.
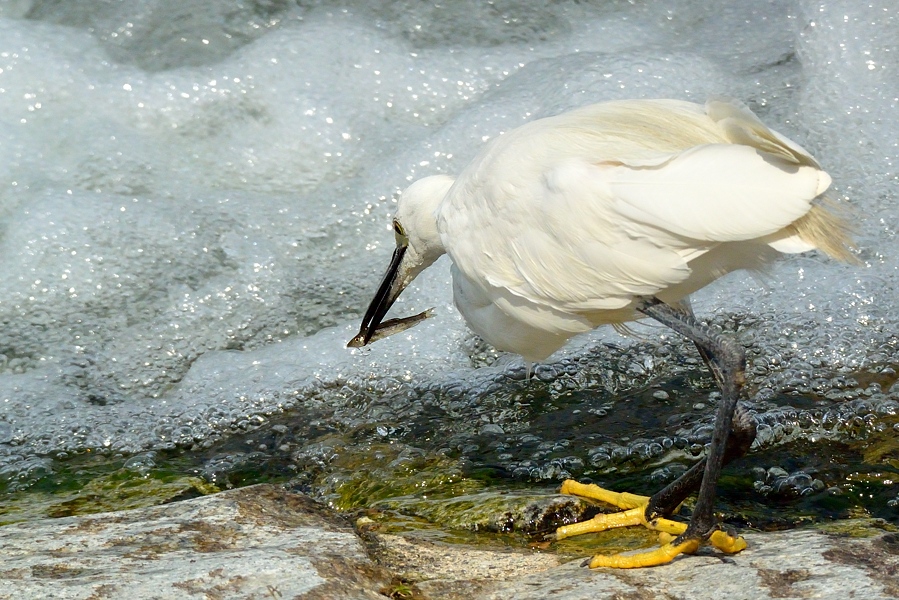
x=726, y=361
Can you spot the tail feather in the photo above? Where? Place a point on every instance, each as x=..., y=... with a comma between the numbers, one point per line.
x=827, y=230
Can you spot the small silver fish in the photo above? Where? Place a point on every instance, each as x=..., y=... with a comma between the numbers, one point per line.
x=390, y=327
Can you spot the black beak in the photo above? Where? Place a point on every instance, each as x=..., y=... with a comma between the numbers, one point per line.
x=386, y=295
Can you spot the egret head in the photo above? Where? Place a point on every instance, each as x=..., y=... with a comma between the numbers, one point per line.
x=418, y=245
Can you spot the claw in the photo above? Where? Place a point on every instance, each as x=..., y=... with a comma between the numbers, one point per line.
x=729, y=544
x=634, y=513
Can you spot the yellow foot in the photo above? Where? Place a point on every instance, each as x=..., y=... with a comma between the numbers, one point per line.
x=651, y=558
x=634, y=513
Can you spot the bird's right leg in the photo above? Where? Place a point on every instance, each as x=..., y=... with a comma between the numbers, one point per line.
x=734, y=433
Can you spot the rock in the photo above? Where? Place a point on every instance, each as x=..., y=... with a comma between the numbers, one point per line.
x=791, y=564
x=255, y=542
x=796, y=564
x=265, y=542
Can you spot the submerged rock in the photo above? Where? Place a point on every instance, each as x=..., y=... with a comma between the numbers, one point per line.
x=265, y=542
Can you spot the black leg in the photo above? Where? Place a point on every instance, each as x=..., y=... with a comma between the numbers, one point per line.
x=665, y=502
x=732, y=436
x=727, y=362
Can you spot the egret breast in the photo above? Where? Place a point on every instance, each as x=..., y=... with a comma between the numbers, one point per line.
x=511, y=323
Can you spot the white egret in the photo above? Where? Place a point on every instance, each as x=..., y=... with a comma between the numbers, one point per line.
x=604, y=215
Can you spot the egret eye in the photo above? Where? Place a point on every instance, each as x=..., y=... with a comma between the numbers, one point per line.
x=398, y=229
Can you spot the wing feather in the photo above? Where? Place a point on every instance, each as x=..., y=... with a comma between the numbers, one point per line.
x=716, y=192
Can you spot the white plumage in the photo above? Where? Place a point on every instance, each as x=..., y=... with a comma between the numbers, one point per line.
x=565, y=223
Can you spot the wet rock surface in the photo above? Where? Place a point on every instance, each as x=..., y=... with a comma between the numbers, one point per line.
x=266, y=542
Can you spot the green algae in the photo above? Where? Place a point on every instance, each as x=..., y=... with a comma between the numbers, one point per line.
x=857, y=528
x=384, y=471
x=122, y=489
x=501, y=518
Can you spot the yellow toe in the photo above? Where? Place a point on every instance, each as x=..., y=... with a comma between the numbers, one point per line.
x=626, y=518
x=594, y=492
x=728, y=544
x=652, y=558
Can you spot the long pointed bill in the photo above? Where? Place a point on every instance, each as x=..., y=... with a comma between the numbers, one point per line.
x=387, y=293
